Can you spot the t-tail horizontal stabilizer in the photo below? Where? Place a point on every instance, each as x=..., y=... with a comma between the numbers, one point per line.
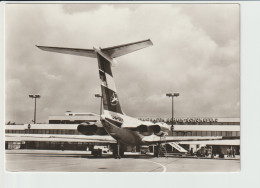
x=71, y=51
x=117, y=51
x=112, y=52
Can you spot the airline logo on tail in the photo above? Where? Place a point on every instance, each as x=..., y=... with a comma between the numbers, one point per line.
x=114, y=100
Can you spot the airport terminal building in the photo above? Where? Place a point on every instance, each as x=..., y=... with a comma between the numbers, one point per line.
x=228, y=128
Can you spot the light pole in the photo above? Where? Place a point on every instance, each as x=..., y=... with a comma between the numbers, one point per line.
x=172, y=95
x=34, y=97
x=100, y=96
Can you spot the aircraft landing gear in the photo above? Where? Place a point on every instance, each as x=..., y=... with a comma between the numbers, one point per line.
x=157, y=150
x=117, y=152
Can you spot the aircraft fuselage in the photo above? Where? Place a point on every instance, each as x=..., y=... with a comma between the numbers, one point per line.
x=123, y=135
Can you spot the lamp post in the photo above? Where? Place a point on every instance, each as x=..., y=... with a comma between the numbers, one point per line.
x=100, y=96
x=34, y=97
x=172, y=95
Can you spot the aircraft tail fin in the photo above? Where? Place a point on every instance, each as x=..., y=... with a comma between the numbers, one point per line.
x=108, y=88
x=104, y=55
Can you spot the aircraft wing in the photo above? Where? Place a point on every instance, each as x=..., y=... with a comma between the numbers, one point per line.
x=120, y=50
x=71, y=51
x=156, y=139
x=60, y=138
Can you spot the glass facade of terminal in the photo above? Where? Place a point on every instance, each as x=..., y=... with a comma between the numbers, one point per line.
x=175, y=133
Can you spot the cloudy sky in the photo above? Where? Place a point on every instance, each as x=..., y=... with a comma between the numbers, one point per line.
x=195, y=53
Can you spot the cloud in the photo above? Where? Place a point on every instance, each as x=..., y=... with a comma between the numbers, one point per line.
x=195, y=52
x=51, y=76
x=220, y=22
x=79, y=8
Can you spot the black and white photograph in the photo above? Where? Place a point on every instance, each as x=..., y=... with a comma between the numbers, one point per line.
x=122, y=87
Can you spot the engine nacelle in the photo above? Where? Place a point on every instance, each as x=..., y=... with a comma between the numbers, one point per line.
x=142, y=128
x=148, y=130
x=91, y=129
x=155, y=128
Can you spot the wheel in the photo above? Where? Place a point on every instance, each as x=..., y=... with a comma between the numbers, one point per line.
x=119, y=157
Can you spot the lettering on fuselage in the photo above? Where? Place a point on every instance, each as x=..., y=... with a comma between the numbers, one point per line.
x=114, y=122
x=117, y=118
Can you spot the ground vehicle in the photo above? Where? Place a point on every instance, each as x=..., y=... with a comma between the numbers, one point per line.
x=144, y=149
x=204, y=151
x=98, y=150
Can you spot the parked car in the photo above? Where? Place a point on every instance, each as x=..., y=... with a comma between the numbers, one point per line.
x=144, y=149
x=98, y=150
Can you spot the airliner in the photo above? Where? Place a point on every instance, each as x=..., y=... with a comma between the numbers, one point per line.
x=124, y=129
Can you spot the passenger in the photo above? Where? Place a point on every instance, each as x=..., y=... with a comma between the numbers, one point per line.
x=207, y=152
x=62, y=147
x=191, y=151
x=234, y=152
x=228, y=152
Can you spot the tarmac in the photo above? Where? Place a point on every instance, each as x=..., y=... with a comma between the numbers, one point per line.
x=83, y=161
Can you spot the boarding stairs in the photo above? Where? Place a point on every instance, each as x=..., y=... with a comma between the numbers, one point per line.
x=162, y=150
x=162, y=147
x=178, y=147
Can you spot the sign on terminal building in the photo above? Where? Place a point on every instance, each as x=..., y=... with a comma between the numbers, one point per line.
x=195, y=120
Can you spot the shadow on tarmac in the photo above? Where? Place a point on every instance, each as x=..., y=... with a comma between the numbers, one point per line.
x=105, y=156
x=87, y=156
